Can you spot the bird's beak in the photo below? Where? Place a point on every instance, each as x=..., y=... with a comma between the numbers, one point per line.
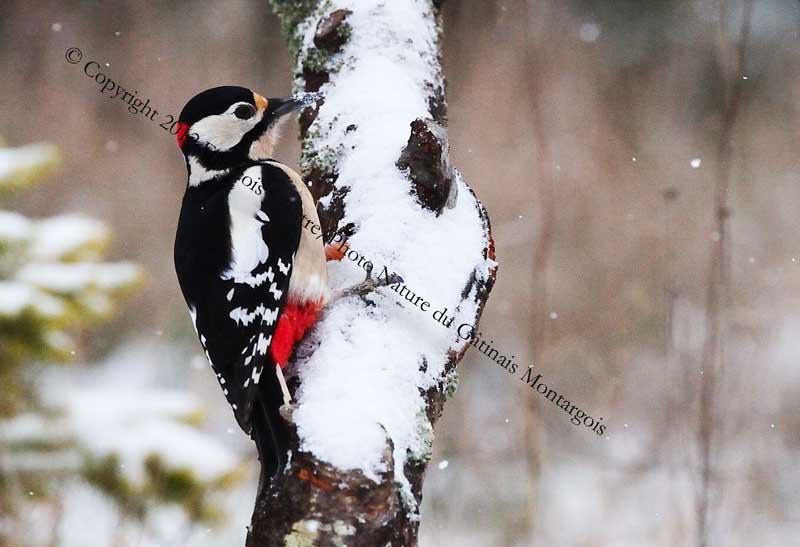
x=280, y=107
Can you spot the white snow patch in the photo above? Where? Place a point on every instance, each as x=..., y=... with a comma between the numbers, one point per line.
x=72, y=277
x=59, y=236
x=16, y=160
x=14, y=227
x=137, y=422
x=17, y=297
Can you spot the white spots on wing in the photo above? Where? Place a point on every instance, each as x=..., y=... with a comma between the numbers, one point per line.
x=234, y=406
x=246, y=383
x=262, y=216
x=203, y=340
x=270, y=316
x=276, y=292
x=254, y=280
x=241, y=316
x=257, y=375
x=229, y=296
x=263, y=344
x=248, y=359
x=245, y=317
x=248, y=278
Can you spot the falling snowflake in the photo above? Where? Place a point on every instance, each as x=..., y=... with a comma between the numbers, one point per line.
x=589, y=32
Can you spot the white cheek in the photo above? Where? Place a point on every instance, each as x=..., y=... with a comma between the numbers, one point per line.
x=222, y=131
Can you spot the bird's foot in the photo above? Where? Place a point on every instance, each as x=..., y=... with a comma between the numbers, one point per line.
x=367, y=286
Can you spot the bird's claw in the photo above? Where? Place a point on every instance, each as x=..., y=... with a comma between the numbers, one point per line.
x=370, y=284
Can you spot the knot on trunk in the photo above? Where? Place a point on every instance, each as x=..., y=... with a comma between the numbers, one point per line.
x=331, y=34
x=425, y=159
x=333, y=31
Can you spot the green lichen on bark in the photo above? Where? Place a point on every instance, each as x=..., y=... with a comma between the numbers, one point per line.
x=291, y=14
x=451, y=383
x=425, y=433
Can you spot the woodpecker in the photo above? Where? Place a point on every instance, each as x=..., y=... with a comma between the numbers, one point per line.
x=254, y=281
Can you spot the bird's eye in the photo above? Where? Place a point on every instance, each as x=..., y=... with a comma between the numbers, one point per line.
x=244, y=112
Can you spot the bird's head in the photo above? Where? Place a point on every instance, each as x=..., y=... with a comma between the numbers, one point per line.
x=229, y=125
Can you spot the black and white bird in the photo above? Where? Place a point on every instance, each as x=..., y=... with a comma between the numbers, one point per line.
x=253, y=279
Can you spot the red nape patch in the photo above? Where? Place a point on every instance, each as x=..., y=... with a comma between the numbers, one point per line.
x=183, y=133
x=295, y=321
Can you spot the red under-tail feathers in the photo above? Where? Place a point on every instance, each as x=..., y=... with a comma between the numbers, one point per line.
x=296, y=320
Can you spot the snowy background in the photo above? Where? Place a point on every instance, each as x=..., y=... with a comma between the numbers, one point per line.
x=589, y=130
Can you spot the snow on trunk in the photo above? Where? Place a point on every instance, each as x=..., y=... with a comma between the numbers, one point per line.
x=370, y=381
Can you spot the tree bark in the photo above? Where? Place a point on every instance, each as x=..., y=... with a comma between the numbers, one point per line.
x=320, y=499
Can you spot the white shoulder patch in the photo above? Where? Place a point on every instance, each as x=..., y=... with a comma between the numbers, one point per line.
x=244, y=203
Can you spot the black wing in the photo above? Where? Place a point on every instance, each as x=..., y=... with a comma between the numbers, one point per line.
x=236, y=312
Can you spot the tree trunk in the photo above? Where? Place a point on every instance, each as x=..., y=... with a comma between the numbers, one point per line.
x=371, y=380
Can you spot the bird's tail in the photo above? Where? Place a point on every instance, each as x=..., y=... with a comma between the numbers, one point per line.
x=269, y=429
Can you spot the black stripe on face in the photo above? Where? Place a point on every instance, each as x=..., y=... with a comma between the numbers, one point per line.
x=214, y=101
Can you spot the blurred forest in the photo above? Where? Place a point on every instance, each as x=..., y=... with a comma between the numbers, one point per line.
x=639, y=163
